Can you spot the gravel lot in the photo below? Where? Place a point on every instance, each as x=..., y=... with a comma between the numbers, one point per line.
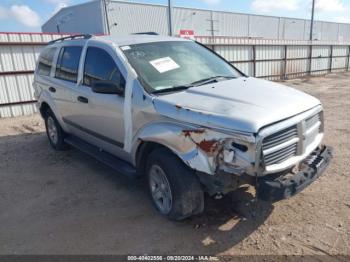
x=67, y=203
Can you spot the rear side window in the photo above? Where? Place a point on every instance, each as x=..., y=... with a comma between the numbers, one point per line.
x=100, y=66
x=68, y=63
x=45, y=61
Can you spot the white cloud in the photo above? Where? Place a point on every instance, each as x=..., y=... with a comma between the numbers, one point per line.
x=22, y=14
x=275, y=5
x=329, y=5
x=342, y=19
x=25, y=15
x=57, y=2
x=211, y=2
x=293, y=5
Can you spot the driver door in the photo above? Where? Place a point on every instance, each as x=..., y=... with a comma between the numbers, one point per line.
x=98, y=118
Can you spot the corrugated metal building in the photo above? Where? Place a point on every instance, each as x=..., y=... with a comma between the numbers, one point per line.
x=18, y=55
x=125, y=18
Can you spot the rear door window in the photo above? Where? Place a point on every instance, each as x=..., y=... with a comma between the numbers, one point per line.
x=45, y=61
x=68, y=63
x=100, y=66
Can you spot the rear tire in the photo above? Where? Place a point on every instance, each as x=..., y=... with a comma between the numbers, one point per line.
x=174, y=188
x=54, y=131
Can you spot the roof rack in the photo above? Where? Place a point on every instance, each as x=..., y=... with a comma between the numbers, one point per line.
x=146, y=33
x=71, y=37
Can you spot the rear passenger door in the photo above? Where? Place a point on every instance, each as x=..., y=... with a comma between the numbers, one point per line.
x=64, y=82
x=43, y=80
x=98, y=118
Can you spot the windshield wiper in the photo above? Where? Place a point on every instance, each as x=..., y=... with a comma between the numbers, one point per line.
x=210, y=80
x=172, y=89
x=196, y=83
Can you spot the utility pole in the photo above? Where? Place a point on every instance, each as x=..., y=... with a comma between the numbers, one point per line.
x=170, y=17
x=106, y=17
x=312, y=20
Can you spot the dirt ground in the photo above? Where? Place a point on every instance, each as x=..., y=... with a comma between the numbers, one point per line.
x=68, y=203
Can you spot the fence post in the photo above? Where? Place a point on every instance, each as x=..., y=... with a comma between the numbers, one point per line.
x=254, y=60
x=347, y=66
x=285, y=63
x=331, y=60
x=310, y=59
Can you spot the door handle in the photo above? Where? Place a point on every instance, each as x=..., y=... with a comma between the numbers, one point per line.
x=52, y=89
x=82, y=99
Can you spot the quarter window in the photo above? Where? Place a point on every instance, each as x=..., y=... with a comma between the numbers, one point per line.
x=100, y=66
x=45, y=61
x=68, y=63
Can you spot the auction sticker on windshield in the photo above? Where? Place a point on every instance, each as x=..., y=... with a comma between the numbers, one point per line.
x=164, y=64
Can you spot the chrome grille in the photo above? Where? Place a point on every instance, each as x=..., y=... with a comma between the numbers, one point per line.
x=280, y=137
x=291, y=141
x=311, y=137
x=310, y=122
x=309, y=125
x=281, y=155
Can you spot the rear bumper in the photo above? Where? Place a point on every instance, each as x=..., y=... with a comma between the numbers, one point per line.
x=285, y=186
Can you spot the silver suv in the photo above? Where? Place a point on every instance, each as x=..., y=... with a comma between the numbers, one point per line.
x=178, y=113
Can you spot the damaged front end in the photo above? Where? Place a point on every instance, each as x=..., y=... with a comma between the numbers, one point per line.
x=224, y=162
x=229, y=158
x=221, y=160
x=222, y=152
x=225, y=158
x=282, y=186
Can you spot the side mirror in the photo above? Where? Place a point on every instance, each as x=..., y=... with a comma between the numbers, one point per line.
x=107, y=87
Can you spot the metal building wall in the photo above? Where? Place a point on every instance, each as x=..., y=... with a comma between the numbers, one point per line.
x=298, y=30
x=83, y=18
x=126, y=18
x=18, y=55
x=185, y=18
x=130, y=17
x=229, y=24
x=263, y=26
x=344, y=32
x=154, y=18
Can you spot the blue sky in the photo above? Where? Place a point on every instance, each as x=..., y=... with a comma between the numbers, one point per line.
x=28, y=15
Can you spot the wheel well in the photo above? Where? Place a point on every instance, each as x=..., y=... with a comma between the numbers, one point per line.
x=43, y=109
x=144, y=150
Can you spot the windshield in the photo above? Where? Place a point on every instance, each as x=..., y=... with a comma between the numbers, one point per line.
x=172, y=66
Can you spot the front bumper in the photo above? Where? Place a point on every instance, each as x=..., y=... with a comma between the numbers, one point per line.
x=272, y=188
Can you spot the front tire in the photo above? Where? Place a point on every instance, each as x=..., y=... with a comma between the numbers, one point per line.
x=54, y=131
x=175, y=190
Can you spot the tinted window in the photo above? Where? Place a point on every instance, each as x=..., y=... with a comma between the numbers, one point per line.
x=45, y=61
x=68, y=63
x=100, y=66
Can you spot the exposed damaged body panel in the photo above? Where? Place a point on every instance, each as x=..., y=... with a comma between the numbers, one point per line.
x=201, y=149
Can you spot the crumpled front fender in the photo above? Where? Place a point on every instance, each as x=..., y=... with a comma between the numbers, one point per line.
x=198, y=148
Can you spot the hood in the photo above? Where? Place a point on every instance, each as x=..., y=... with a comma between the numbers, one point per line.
x=242, y=104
